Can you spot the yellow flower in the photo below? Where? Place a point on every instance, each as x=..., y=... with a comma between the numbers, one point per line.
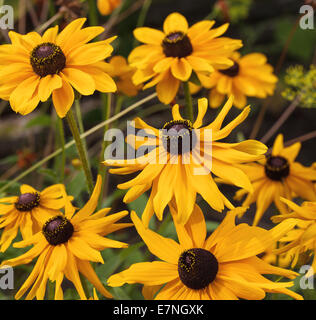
x=107, y=6
x=170, y=56
x=65, y=247
x=302, y=239
x=250, y=76
x=223, y=266
x=181, y=159
x=29, y=211
x=35, y=67
x=278, y=175
x=122, y=74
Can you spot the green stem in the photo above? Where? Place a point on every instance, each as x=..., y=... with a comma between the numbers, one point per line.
x=80, y=124
x=118, y=106
x=106, y=115
x=62, y=143
x=93, y=13
x=79, y=116
x=80, y=148
x=142, y=17
x=188, y=100
x=102, y=170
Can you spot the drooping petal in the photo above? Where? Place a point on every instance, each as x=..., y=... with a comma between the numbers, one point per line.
x=63, y=98
x=165, y=249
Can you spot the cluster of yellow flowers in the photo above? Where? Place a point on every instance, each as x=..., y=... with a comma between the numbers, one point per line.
x=228, y=264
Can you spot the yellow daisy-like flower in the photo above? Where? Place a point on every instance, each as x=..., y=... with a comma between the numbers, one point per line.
x=65, y=247
x=170, y=56
x=302, y=239
x=249, y=76
x=122, y=74
x=223, y=266
x=181, y=159
x=106, y=7
x=29, y=211
x=278, y=175
x=35, y=67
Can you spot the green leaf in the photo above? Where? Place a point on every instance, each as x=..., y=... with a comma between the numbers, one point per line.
x=49, y=173
x=42, y=120
x=120, y=294
x=139, y=204
x=76, y=185
x=194, y=79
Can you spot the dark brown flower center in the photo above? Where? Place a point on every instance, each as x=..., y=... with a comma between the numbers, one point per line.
x=178, y=136
x=232, y=71
x=177, y=44
x=47, y=58
x=27, y=201
x=277, y=168
x=197, y=268
x=57, y=230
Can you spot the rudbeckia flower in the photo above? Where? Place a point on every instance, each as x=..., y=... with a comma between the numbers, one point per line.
x=301, y=239
x=278, y=175
x=170, y=56
x=249, y=76
x=65, y=246
x=223, y=266
x=29, y=211
x=122, y=73
x=181, y=159
x=106, y=7
x=35, y=67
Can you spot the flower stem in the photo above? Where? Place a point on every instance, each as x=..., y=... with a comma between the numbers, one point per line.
x=80, y=148
x=285, y=115
x=93, y=13
x=62, y=144
x=80, y=124
x=142, y=17
x=188, y=100
x=102, y=170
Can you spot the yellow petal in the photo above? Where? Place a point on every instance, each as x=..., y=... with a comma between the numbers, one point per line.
x=216, y=98
x=50, y=35
x=69, y=30
x=163, y=248
x=278, y=145
x=175, y=22
x=80, y=80
x=149, y=35
x=176, y=113
x=147, y=273
x=83, y=251
x=47, y=85
x=181, y=69
x=167, y=88
x=86, y=269
x=202, y=108
x=63, y=98
x=92, y=203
